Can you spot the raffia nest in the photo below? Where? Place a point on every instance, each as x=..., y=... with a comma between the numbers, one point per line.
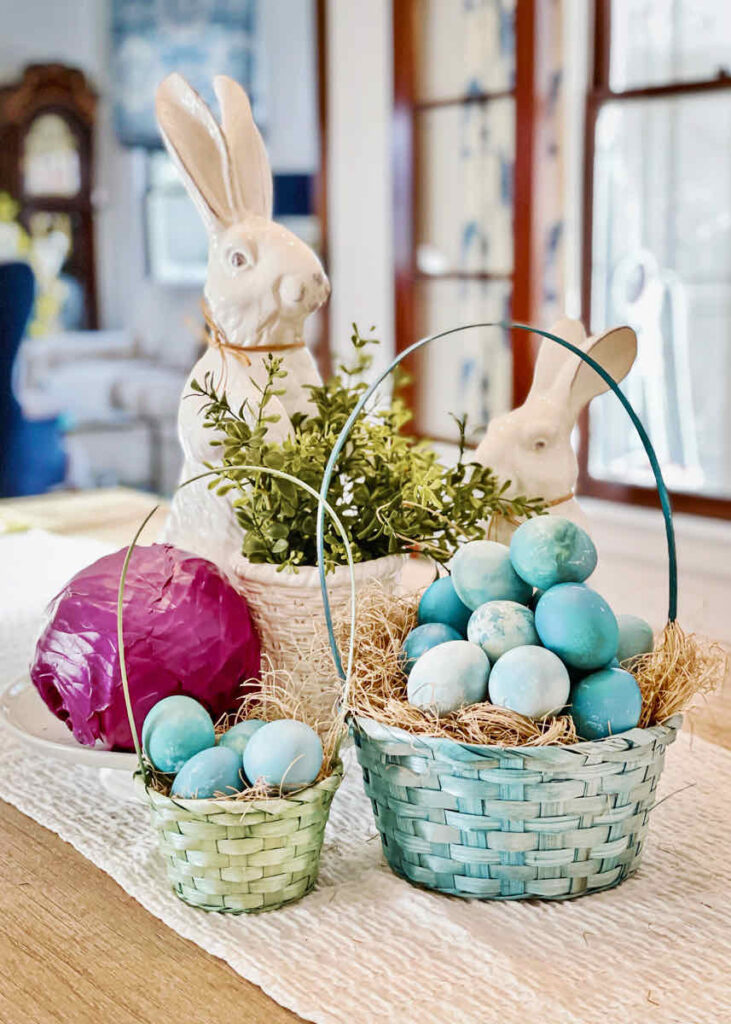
x=284, y=694
x=681, y=666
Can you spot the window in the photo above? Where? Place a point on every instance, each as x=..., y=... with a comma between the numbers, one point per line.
x=657, y=244
x=477, y=90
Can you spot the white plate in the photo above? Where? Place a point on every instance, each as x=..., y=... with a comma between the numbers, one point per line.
x=23, y=712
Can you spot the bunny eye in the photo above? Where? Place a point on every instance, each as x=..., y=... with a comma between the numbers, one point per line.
x=239, y=259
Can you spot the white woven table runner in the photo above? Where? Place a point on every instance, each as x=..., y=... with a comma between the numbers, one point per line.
x=366, y=946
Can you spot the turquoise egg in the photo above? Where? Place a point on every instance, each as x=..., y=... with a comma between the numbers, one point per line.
x=284, y=754
x=439, y=603
x=238, y=736
x=530, y=680
x=606, y=703
x=576, y=623
x=216, y=771
x=448, y=677
x=635, y=637
x=548, y=550
x=174, y=730
x=498, y=626
x=481, y=571
x=421, y=639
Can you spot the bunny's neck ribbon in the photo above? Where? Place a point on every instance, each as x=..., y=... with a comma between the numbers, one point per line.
x=218, y=339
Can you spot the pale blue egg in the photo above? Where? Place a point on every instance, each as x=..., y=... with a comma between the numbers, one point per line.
x=498, y=626
x=238, y=736
x=213, y=772
x=174, y=730
x=548, y=550
x=635, y=637
x=530, y=680
x=481, y=571
x=448, y=677
x=576, y=623
x=284, y=754
x=421, y=639
x=440, y=603
x=606, y=703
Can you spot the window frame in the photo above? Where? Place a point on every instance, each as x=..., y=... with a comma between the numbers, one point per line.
x=599, y=93
x=525, y=284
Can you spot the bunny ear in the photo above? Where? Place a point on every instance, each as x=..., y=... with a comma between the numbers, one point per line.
x=195, y=142
x=615, y=351
x=552, y=358
x=252, y=177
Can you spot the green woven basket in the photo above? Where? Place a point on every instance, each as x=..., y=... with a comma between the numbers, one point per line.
x=491, y=822
x=231, y=855
x=243, y=856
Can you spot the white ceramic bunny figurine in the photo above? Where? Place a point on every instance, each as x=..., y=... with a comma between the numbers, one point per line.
x=531, y=446
x=262, y=284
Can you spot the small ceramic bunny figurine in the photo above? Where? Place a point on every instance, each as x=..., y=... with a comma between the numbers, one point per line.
x=531, y=446
x=262, y=284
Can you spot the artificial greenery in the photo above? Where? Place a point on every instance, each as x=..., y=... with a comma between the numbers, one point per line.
x=390, y=490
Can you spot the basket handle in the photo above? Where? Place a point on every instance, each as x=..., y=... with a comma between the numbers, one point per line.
x=606, y=377
x=323, y=506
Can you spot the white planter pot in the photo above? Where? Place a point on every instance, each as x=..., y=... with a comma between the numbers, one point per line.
x=287, y=606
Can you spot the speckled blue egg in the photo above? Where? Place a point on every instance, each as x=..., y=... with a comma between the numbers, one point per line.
x=448, y=677
x=285, y=754
x=422, y=639
x=174, y=730
x=213, y=772
x=440, y=603
x=530, y=680
x=498, y=626
x=635, y=637
x=547, y=550
x=606, y=703
x=576, y=623
x=238, y=736
x=481, y=571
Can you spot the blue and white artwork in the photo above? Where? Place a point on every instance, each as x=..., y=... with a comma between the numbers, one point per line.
x=198, y=38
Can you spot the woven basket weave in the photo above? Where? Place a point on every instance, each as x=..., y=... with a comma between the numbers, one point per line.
x=237, y=856
x=510, y=823
x=551, y=822
x=243, y=856
x=287, y=607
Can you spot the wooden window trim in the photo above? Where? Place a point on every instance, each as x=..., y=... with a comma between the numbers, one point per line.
x=406, y=108
x=598, y=94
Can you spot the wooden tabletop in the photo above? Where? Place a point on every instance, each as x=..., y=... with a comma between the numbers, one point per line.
x=74, y=946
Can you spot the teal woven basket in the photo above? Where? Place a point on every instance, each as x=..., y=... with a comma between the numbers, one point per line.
x=512, y=822
x=489, y=822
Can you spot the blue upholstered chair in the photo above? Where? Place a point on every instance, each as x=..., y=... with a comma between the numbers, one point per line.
x=32, y=458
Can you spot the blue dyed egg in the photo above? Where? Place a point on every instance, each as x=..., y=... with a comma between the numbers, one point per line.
x=481, y=571
x=285, y=754
x=530, y=680
x=439, y=603
x=422, y=639
x=548, y=550
x=174, y=730
x=238, y=736
x=448, y=677
x=212, y=772
x=606, y=703
x=576, y=623
x=498, y=626
x=635, y=637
